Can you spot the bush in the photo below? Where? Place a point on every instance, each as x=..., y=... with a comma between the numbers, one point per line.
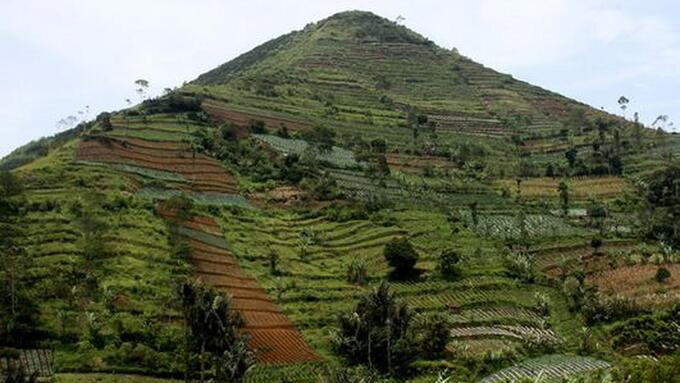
x=662, y=274
x=600, y=309
x=181, y=205
x=401, y=255
x=448, y=264
x=356, y=272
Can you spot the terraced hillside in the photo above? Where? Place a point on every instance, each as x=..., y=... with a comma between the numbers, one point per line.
x=535, y=230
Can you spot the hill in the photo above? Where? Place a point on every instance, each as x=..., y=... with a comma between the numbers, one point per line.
x=283, y=177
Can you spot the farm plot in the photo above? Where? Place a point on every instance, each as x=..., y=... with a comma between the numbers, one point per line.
x=271, y=333
x=502, y=331
x=580, y=188
x=536, y=225
x=637, y=282
x=566, y=258
x=209, y=199
x=338, y=157
x=419, y=164
x=551, y=367
x=242, y=115
x=201, y=173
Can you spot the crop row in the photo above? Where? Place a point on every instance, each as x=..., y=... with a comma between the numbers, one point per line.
x=271, y=333
x=535, y=225
x=338, y=157
x=208, y=198
x=551, y=367
x=519, y=332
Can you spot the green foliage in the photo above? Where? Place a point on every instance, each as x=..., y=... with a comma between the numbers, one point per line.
x=321, y=137
x=433, y=334
x=357, y=272
x=358, y=374
x=375, y=333
x=647, y=370
x=519, y=265
x=448, y=264
x=181, y=206
x=104, y=120
x=662, y=274
x=657, y=333
x=401, y=255
x=172, y=103
x=663, y=199
x=598, y=308
x=563, y=189
x=212, y=333
x=10, y=185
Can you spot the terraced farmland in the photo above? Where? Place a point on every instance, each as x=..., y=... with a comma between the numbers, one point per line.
x=338, y=157
x=271, y=333
x=580, y=189
x=551, y=368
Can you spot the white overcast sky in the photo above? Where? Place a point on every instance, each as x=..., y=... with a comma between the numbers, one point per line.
x=60, y=55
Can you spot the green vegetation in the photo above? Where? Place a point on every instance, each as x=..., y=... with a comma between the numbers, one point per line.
x=524, y=234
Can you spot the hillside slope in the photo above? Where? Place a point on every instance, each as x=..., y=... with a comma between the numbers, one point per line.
x=301, y=160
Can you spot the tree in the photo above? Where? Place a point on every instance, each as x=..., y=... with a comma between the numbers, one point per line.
x=661, y=210
x=662, y=274
x=474, y=214
x=18, y=313
x=104, y=120
x=434, y=333
x=563, y=189
x=596, y=244
x=375, y=333
x=401, y=255
x=571, y=155
x=142, y=88
x=597, y=213
x=623, y=104
x=10, y=185
x=212, y=333
x=448, y=264
x=319, y=136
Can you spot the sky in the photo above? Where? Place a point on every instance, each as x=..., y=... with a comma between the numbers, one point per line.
x=59, y=56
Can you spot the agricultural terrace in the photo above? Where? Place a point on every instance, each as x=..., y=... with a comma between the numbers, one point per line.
x=580, y=188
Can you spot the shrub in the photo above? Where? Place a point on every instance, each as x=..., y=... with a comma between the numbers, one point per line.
x=10, y=185
x=448, y=264
x=181, y=205
x=257, y=127
x=662, y=274
x=600, y=309
x=356, y=272
x=596, y=244
x=401, y=255
x=520, y=266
